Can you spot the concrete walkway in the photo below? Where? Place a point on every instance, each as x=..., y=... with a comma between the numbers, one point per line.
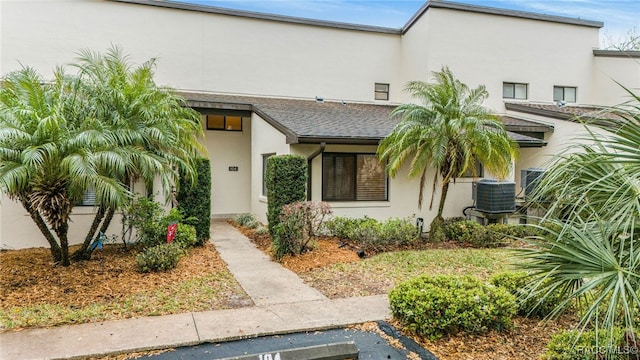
x=284, y=304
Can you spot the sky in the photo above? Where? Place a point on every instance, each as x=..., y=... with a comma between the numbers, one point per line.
x=619, y=16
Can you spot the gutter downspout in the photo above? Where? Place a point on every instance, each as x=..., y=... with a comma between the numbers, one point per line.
x=309, y=160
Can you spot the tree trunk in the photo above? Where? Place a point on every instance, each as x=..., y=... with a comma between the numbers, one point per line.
x=56, y=251
x=84, y=253
x=107, y=220
x=63, y=232
x=443, y=197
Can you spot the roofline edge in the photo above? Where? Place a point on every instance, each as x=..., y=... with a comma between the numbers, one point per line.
x=263, y=16
x=438, y=4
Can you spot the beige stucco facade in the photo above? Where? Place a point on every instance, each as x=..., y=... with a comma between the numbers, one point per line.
x=212, y=52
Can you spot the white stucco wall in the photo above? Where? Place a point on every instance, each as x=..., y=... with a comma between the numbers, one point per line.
x=202, y=51
x=624, y=70
x=489, y=49
x=230, y=190
x=17, y=229
x=269, y=141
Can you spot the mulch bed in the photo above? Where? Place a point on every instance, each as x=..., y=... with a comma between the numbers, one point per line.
x=30, y=277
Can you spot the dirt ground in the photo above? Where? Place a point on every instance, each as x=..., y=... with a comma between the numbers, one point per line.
x=526, y=340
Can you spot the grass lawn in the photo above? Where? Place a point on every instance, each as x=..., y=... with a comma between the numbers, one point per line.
x=378, y=274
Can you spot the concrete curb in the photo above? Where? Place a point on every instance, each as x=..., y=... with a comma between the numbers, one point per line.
x=336, y=351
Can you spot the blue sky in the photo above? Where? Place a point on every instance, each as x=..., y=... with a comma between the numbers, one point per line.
x=619, y=16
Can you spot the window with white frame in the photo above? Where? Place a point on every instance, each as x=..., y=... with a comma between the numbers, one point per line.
x=514, y=90
x=353, y=177
x=564, y=93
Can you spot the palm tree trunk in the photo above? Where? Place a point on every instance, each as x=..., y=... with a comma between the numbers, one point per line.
x=56, y=251
x=83, y=253
x=443, y=197
x=107, y=220
x=63, y=232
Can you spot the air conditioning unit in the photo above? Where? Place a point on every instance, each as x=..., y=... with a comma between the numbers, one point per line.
x=529, y=179
x=494, y=197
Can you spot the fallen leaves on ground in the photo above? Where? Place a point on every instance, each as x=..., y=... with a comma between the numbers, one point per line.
x=30, y=278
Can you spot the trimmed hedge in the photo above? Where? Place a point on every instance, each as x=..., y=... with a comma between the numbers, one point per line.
x=371, y=233
x=194, y=200
x=286, y=181
x=441, y=305
x=529, y=304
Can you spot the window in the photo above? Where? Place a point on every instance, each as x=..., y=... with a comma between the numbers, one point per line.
x=88, y=198
x=224, y=122
x=514, y=91
x=477, y=171
x=564, y=93
x=264, y=173
x=381, y=91
x=353, y=177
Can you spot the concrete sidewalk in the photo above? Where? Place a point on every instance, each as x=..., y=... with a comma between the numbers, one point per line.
x=284, y=304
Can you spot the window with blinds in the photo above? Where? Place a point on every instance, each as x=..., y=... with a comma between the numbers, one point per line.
x=353, y=177
x=514, y=91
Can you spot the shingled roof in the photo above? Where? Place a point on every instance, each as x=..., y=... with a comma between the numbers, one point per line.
x=564, y=112
x=334, y=122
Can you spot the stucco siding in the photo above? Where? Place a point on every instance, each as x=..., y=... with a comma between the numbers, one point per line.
x=489, y=49
x=266, y=140
x=201, y=51
x=608, y=71
x=228, y=150
x=17, y=229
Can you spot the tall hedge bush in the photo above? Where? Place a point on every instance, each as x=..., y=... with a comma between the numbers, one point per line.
x=194, y=200
x=286, y=180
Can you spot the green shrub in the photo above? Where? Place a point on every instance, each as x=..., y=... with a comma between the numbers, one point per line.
x=464, y=231
x=262, y=230
x=396, y=231
x=143, y=215
x=370, y=233
x=285, y=238
x=531, y=302
x=194, y=200
x=300, y=223
x=437, y=306
x=159, y=258
x=350, y=228
x=563, y=345
x=186, y=236
x=244, y=219
x=286, y=181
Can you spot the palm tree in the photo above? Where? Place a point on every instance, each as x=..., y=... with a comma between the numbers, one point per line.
x=151, y=127
x=449, y=131
x=48, y=153
x=101, y=129
x=592, y=196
